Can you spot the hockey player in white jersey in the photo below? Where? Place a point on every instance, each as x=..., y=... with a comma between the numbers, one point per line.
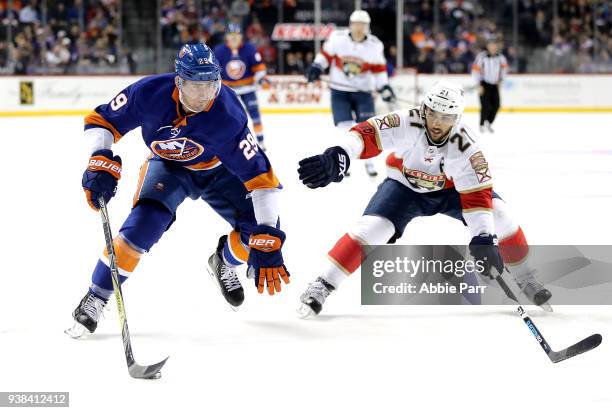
x=357, y=67
x=436, y=167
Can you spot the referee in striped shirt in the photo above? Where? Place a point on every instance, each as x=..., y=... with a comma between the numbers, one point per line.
x=489, y=70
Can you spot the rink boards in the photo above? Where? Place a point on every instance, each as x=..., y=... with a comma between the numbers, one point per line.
x=76, y=95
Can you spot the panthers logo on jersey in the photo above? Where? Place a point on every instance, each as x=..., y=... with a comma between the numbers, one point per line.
x=179, y=149
x=235, y=69
x=422, y=180
x=352, y=66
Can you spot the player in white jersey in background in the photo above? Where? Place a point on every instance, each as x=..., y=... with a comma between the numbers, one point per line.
x=357, y=67
x=436, y=167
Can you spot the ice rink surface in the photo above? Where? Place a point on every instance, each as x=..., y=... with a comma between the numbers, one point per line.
x=553, y=170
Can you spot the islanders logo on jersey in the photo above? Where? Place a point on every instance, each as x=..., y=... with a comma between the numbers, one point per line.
x=235, y=69
x=179, y=149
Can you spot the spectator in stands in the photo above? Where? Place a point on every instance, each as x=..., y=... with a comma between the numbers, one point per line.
x=459, y=61
x=29, y=14
x=579, y=41
x=424, y=63
x=4, y=55
x=59, y=55
x=23, y=54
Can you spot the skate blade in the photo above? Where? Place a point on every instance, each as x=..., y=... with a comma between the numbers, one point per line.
x=305, y=312
x=156, y=376
x=216, y=282
x=76, y=331
x=547, y=307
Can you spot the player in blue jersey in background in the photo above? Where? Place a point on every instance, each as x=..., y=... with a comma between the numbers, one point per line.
x=201, y=147
x=243, y=70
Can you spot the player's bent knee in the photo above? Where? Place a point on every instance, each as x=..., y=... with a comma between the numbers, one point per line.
x=372, y=230
x=146, y=224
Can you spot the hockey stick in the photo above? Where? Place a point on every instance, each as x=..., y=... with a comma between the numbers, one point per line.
x=580, y=347
x=136, y=370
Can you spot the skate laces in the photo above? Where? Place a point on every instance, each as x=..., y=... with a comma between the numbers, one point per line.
x=529, y=281
x=531, y=285
x=318, y=291
x=229, y=278
x=94, y=306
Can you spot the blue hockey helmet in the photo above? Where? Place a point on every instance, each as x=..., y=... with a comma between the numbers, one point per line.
x=197, y=62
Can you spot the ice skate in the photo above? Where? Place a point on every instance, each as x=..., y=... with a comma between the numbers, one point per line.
x=86, y=315
x=313, y=298
x=225, y=277
x=489, y=127
x=535, y=292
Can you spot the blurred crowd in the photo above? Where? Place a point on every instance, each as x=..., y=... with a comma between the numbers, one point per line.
x=184, y=21
x=451, y=46
x=579, y=39
x=65, y=36
x=83, y=36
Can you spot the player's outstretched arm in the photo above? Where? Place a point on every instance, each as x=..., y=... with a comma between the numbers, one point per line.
x=321, y=170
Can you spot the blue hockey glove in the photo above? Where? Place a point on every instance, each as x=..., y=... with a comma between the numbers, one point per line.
x=387, y=94
x=320, y=170
x=484, y=248
x=314, y=72
x=266, y=260
x=101, y=177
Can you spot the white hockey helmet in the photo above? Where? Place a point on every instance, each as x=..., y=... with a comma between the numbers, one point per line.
x=360, y=16
x=445, y=97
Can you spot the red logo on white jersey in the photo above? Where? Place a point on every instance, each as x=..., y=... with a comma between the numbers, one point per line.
x=423, y=180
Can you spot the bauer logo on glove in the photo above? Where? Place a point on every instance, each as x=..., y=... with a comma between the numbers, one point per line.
x=99, y=163
x=265, y=243
x=266, y=263
x=101, y=177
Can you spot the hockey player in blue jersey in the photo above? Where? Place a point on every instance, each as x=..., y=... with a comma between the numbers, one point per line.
x=243, y=70
x=200, y=147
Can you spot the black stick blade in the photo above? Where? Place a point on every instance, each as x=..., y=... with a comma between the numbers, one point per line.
x=146, y=372
x=583, y=346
